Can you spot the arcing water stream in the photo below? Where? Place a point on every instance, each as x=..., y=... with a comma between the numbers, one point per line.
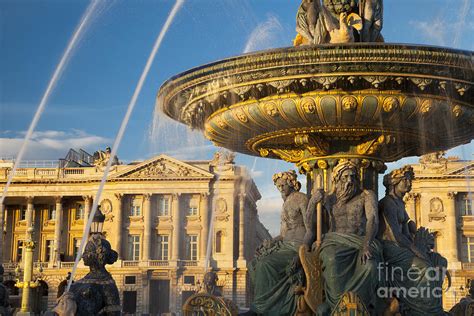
x=84, y=22
x=121, y=131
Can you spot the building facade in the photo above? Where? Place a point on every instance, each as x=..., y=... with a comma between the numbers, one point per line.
x=158, y=218
x=441, y=199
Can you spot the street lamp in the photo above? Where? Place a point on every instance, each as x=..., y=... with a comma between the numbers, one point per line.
x=97, y=222
x=27, y=284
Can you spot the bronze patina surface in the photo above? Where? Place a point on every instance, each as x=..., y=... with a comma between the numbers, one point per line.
x=373, y=100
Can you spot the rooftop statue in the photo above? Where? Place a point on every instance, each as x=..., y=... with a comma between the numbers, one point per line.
x=339, y=21
x=349, y=253
x=96, y=293
x=405, y=252
x=276, y=272
x=101, y=158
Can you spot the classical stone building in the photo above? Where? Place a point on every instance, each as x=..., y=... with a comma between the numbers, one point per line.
x=442, y=200
x=158, y=218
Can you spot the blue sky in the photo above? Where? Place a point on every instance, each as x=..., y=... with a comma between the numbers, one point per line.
x=90, y=100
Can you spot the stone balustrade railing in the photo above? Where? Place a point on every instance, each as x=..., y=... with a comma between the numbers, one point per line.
x=189, y=263
x=54, y=173
x=158, y=263
x=120, y=263
x=130, y=263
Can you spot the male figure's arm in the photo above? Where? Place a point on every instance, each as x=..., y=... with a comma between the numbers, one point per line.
x=309, y=216
x=372, y=223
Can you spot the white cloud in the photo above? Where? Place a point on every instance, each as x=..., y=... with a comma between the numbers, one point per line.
x=269, y=211
x=449, y=29
x=265, y=35
x=435, y=31
x=49, y=144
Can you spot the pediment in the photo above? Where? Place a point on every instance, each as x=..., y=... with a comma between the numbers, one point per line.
x=465, y=170
x=163, y=167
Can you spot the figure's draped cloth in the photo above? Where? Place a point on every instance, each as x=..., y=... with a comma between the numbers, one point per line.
x=274, y=277
x=425, y=277
x=343, y=269
x=406, y=272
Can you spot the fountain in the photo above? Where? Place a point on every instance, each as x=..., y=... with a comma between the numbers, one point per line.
x=340, y=95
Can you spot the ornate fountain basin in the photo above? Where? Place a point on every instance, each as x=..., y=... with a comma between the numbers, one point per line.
x=379, y=101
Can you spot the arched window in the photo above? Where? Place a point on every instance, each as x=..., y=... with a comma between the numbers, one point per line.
x=219, y=242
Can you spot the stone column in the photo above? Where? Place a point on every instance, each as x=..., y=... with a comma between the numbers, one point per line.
x=241, y=228
x=55, y=257
x=2, y=224
x=87, y=209
x=204, y=212
x=148, y=225
x=452, y=227
x=29, y=211
x=118, y=224
x=176, y=228
x=410, y=200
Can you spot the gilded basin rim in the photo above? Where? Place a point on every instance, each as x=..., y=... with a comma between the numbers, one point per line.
x=199, y=95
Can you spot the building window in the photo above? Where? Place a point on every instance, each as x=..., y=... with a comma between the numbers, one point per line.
x=193, y=211
x=191, y=247
x=48, y=250
x=164, y=206
x=467, y=204
x=22, y=213
x=189, y=279
x=136, y=207
x=130, y=279
x=219, y=242
x=51, y=212
x=470, y=249
x=19, y=250
x=134, y=247
x=79, y=214
x=76, y=244
x=163, y=247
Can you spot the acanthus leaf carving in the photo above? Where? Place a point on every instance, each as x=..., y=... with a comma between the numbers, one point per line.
x=315, y=145
x=281, y=85
x=375, y=81
x=290, y=155
x=326, y=82
x=375, y=145
x=421, y=83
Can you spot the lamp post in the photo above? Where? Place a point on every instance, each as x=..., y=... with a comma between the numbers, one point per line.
x=27, y=284
x=97, y=222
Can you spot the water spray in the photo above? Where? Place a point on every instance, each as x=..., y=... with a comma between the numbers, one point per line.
x=121, y=131
x=84, y=22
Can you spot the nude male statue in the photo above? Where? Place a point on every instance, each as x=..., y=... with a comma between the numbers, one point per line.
x=349, y=252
